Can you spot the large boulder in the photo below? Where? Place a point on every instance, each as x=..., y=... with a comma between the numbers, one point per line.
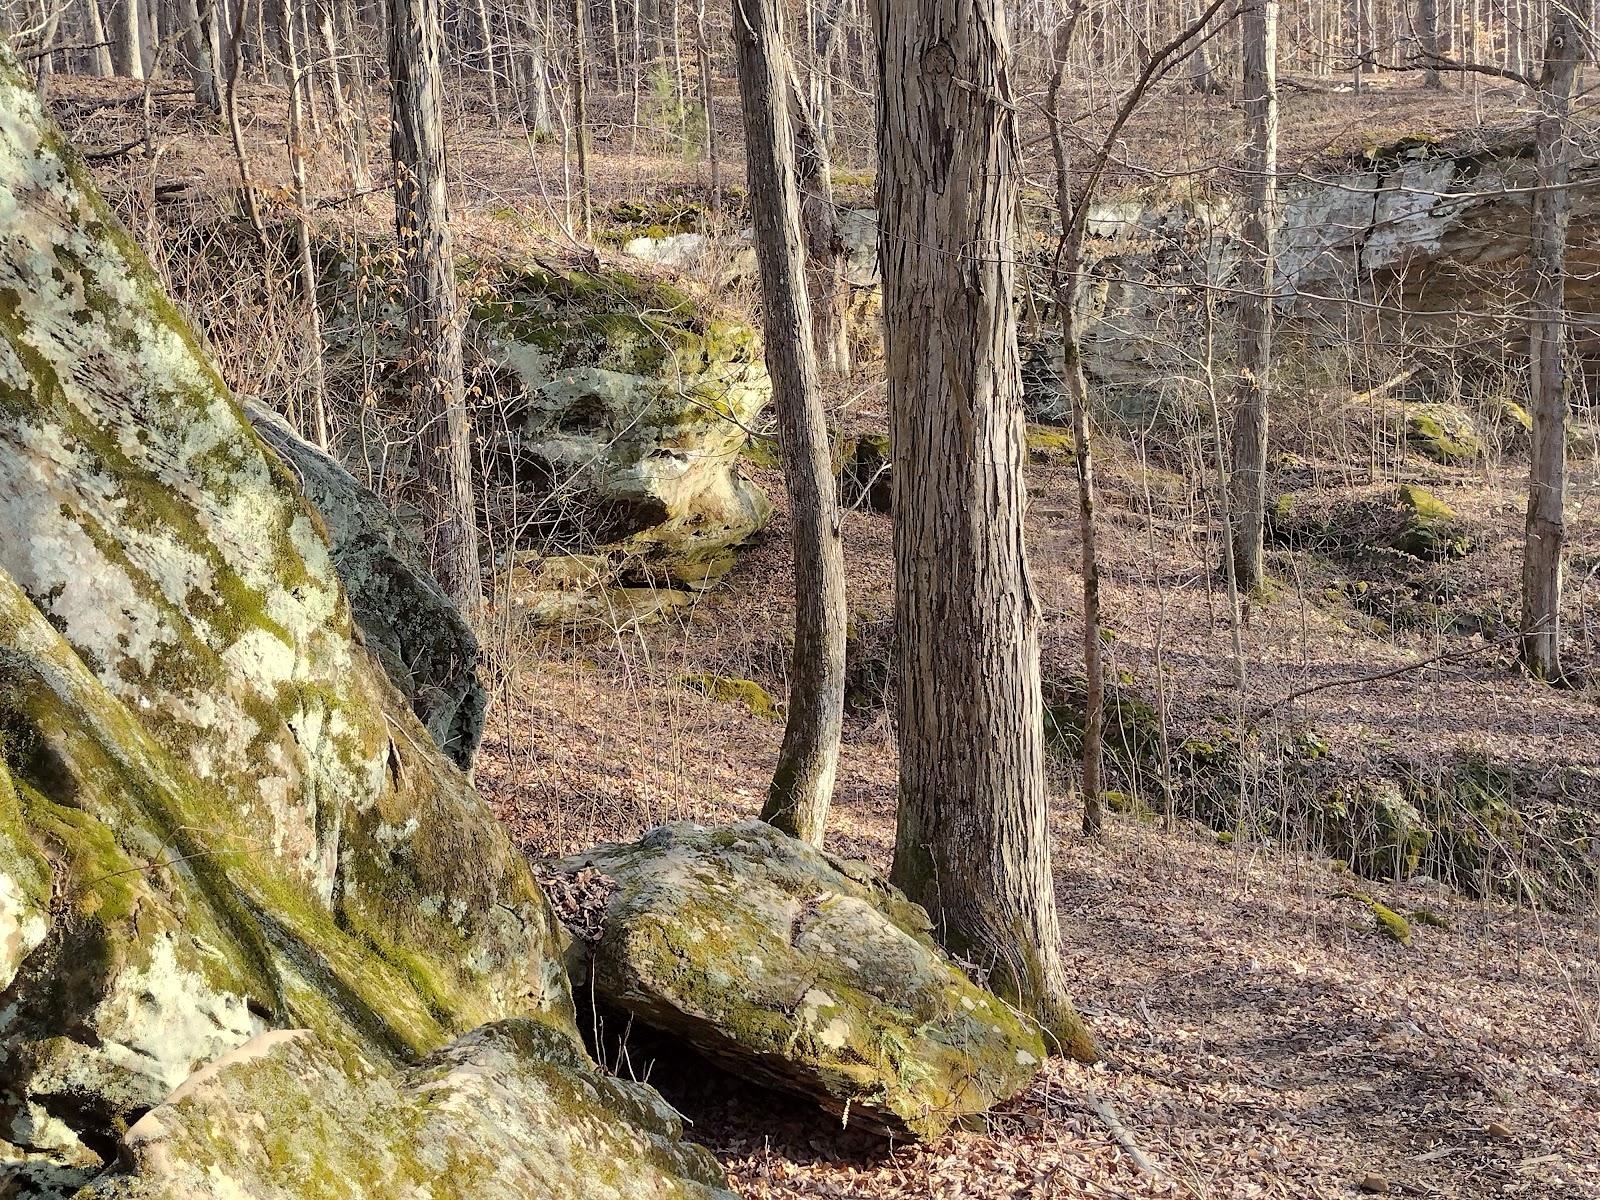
x=613, y=407
x=218, y=817
x=805, y=972
x=509, y=1110
x=406, y=620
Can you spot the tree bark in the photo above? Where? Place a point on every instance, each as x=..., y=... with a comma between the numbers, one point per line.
x=1547, y=336
x=802, y=786
x=127, y=55
x=580, y=108
x=972, y=842
x=825, y=260
x=199, y=52
x=433, y=328
x=1260, y=73
x=1428, y=42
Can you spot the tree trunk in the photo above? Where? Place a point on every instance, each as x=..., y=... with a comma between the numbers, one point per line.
x=198, y=20
x=298, y=80
x=972, y=842
x=1428, y=39
x=802, y=786
x=433, y=328
x=1260, y=73
x=1202, y=78
x=99, y=54
x=580, y=108
x=1547, y=320
x=829, y=290
x=127, y=55
x=713, y=151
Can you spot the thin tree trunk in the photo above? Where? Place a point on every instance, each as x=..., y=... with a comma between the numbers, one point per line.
x=1249, y=481
x=351, y=142
x=802, y=785
x=972, y=843
x=247, y=187
x=825, y=258
x=433, y=329
x=302, y=199
x=490, y=67
x=1202, y=78
x=580, y=108
x=1547, y=336
x=713, y=150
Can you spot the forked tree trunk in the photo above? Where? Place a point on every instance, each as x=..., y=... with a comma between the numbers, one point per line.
x=1547, y=336
x=433, y=328
x=802, y=786
x=199, y=46
x=972, y=843
x=1249, y=482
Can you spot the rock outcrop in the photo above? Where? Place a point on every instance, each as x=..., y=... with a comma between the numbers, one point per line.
x=802, y=971
x=218, y=817
x=406, y=620
x=614, y=408
x=512, y=1109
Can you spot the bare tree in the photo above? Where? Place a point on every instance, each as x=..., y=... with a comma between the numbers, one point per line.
x=433, y=328
x=1547, y=345
x=825, y=251
x=802, y=786
x=972, y=843
x=1260, y=75
x=1069, y=271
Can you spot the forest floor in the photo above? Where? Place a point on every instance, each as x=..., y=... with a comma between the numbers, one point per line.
x=1265, y=1037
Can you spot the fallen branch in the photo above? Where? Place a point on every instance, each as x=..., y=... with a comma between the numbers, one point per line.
x=1351, y=681
x=1119, y=1131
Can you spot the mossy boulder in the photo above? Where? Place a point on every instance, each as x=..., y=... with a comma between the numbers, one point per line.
x=1443, y=432
x=581, y=595
x=866, y=473
x=804, y=972
x=512, y=1109
x=1049, y=445
x=612, y=404
x=1373, y=827
x=1430, y=528
x=417, y=633
x=731, y=690
x=218, y=816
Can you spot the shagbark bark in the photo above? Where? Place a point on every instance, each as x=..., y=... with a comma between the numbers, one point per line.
x=433, y=327
x=802, y=786
x=972, y=840
x=1248, y=485
x=1546, y=529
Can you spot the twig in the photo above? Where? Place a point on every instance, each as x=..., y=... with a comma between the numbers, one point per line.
x=1119, y=1131
x=1351, y=681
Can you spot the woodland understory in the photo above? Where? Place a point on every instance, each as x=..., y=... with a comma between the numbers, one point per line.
x=1290, y=1006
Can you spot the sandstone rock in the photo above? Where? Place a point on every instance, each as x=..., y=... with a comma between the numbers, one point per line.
x=512, y=1109
x=422, y=640
x=1445, y=433
x=802, y=971
x=218, y=817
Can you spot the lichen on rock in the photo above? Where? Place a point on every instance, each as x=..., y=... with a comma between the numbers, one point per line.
x=218, y=816
x=802, y=971
x=512, y=1109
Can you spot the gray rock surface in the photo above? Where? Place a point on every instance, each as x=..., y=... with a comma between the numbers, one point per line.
x=803, y=971
x=417, y=633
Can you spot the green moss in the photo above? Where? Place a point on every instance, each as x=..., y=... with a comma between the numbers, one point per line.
x=1443, y=433
x=1390, y=923
x=1047, y=444
x=1431, y=529
x=731, y=690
